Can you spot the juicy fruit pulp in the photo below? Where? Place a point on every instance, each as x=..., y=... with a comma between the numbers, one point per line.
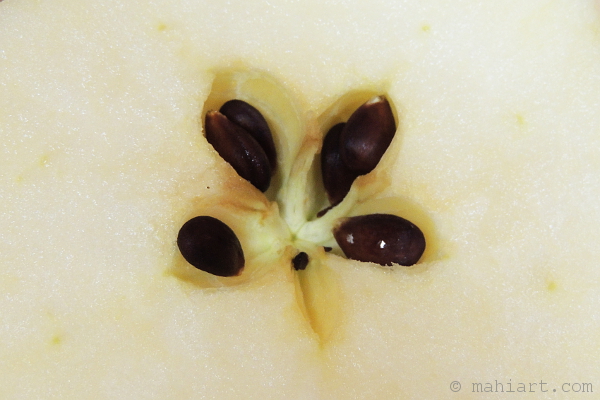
x=103, y=160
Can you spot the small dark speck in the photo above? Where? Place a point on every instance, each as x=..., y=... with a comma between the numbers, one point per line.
x=327, y=249
x=208, y=187
x=300, y=261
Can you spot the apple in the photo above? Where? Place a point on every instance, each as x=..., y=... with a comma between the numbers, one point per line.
x=104, y=159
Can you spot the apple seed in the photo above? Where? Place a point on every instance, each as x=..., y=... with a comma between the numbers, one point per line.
x=367, y=135
x=210, y=245
x=249, y=118
x=384, y=239
x=337, y=177
x=236, y=146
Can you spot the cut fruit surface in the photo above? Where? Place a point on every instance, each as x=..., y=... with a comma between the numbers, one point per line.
x=104, y=158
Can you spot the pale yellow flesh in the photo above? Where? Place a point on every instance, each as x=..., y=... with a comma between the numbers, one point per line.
x=102, y=157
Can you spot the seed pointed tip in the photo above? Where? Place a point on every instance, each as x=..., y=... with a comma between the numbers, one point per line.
x=213, y=115
x=377, y=99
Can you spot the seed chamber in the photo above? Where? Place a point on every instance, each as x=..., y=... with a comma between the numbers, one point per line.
x=273, y=227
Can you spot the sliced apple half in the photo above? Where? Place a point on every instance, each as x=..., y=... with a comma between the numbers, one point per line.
x=103, y=159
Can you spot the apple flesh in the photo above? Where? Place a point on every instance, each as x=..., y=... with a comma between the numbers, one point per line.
x=103, y=159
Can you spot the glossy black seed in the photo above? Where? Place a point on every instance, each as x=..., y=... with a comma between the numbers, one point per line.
x=384, y=239
x=249, y=118
x=337, y=177
x=236, y=146
x=300, y=261
x=210, y=245
x=367, y=135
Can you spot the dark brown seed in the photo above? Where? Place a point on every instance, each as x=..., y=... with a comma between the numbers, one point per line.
x=367, y=135
x=300, y=261
x=324, y=211
x=337, y=177
x=210, y=245
x=249, y=118
x=236, y=146
x=384, y=239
